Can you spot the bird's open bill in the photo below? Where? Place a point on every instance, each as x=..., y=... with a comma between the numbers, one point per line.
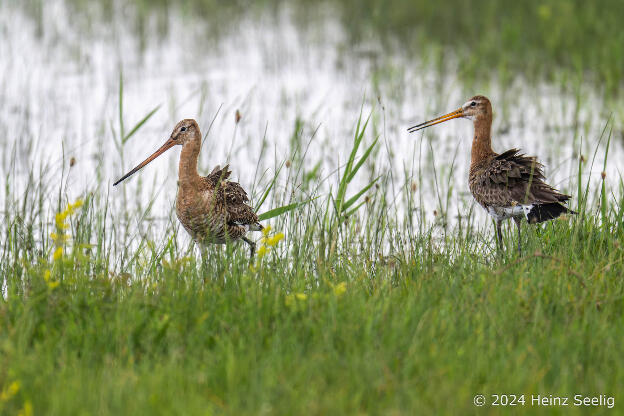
x=168, y=144
x=441, y=119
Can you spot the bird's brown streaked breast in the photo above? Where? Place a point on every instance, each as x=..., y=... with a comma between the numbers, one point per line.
x=202, y=217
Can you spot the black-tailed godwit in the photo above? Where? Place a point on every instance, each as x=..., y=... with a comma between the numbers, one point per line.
x=507, y=185
x=211, y=209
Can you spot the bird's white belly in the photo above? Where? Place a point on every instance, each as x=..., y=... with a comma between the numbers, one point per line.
x=503, y=213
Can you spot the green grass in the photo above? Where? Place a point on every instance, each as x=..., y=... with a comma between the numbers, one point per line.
x=417, y=332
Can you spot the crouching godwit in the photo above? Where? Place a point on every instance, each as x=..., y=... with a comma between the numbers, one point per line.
x=211, y=209
x=507, y=185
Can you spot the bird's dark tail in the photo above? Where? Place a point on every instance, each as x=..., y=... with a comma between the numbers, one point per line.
x=545, y=212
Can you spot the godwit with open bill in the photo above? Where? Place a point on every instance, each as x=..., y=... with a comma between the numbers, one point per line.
x=211, y=209
x=507, y=185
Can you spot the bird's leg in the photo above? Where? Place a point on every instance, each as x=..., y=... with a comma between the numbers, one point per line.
x=252, y=247
x=499, y=235
x=203, y=252
x=518, y=222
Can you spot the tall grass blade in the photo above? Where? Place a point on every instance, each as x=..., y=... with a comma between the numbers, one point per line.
x=121, y=123
x=350, y=170
x=363, y=159
x=266, y=192
x=357, y=196
x=283, y=209
x=139, y=125
x=603, y=187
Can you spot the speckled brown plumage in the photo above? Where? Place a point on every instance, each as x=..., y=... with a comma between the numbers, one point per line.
x=217, y=210
x=211, y=209
x=507, y=185
x=511, y=179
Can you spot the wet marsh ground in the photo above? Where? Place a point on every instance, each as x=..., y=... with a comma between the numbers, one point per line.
x=391, y=300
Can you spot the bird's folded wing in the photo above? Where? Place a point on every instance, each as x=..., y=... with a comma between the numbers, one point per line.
x=513, y=178
x=230, y=196
x=241, y=215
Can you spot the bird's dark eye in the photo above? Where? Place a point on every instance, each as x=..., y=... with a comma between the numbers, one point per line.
x=473, y=104
x=183, y=129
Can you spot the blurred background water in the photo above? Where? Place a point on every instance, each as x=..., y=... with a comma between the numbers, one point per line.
x=299, y=74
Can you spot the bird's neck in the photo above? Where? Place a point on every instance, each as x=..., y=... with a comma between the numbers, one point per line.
x=482, y=141
x=187, y=172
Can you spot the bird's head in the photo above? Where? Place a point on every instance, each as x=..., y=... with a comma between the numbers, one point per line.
x=475, y=108
x=186, y=131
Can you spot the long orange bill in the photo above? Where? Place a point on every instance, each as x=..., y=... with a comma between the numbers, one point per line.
x=441, y=119
x=168, y=144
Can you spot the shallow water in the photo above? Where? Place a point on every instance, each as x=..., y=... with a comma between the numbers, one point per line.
x=59, y=99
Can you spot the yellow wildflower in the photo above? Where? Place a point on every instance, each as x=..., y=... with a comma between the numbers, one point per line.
x=78, y=203
x=71, y=208
x=14, y=388
x=58, y=253
x=10, y=391
x=27, y=410
x=340, y=288
x=292, y=299
x=262, y=251
x=47, y=276
x=60, y=220
x=544, y=12
x=266, y=230
x=59, y=238
x=275, y=239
